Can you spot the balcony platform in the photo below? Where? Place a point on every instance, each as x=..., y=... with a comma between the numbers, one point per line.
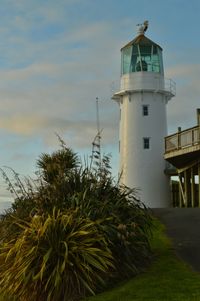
x=182, y=152
x=183, y=147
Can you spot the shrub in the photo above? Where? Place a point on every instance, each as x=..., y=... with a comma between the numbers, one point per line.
x=64, y=185
x=58, y=257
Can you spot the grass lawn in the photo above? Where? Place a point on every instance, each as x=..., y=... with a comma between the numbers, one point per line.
x=167, y=279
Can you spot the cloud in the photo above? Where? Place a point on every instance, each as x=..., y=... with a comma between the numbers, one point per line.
x=182, y=108
x=25, y=125
x=51, y=73
x=58, y=95
x=184, y=71
x=80, y=132
x=33, y=70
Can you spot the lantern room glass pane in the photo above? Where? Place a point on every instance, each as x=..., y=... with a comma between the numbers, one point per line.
x=138, y=58
x=126, y=60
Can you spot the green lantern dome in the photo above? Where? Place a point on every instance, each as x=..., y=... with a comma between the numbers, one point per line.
x=141, y=54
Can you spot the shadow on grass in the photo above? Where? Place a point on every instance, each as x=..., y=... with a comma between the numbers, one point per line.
x=167, y=279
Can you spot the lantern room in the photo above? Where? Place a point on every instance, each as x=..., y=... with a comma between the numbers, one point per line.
x=141, y=54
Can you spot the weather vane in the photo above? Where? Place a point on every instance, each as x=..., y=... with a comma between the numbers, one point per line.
x=142, y=28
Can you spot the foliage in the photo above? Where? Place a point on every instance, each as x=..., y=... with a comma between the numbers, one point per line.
x=67, y=186
x=55, y=257
x=168, y=278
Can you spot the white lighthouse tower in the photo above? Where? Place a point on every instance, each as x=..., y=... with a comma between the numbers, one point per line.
x=142, y=98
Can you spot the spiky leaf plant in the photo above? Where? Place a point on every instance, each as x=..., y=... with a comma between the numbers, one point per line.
x=67, y=185
x=59, y=257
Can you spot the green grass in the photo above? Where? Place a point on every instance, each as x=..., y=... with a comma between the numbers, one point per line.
x=167, y=279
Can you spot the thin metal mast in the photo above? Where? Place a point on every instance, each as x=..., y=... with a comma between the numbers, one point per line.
x=98, y=130
x=96, y=144
x=97, y=115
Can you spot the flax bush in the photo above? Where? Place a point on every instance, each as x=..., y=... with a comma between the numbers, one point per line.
x=61, y=256
x=118, y=226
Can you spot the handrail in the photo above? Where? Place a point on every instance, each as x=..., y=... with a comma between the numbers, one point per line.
x=182, y=139
x=158, y=84
x=170, y=85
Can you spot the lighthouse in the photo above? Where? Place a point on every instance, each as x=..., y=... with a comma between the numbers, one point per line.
x=143, y=96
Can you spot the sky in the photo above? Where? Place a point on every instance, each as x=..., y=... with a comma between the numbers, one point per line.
x=56, y=57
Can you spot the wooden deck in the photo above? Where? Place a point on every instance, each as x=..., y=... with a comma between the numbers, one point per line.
x=182, y=152
x=183, y=147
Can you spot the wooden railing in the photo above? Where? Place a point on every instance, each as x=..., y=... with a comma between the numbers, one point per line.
x=182, y=139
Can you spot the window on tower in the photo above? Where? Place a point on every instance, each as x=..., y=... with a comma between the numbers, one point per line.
x=145, y=110
x=146, y=143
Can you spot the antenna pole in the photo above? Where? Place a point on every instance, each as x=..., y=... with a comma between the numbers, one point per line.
x=96, y=144
x=97, y=114
x=98, y=136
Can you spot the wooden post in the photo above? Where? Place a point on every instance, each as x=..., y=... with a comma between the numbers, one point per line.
x=192, y=187
x=198, y=117
x=179, y=137
x=198, y=123
x=182, y=200
x=189, y=192
x=185, y=187
x=199, y=184
x=179, y=190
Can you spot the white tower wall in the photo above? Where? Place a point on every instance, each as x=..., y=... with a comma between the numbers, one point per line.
x=144, y=168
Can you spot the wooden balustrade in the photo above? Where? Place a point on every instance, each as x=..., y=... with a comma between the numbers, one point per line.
x=182, y=139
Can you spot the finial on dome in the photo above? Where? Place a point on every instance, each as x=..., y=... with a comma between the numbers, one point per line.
x=142, y=28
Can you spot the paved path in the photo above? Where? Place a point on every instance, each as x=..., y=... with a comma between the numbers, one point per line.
x=183, y=227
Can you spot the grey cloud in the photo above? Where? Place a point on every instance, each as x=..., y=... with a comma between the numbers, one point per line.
x=182, y=109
